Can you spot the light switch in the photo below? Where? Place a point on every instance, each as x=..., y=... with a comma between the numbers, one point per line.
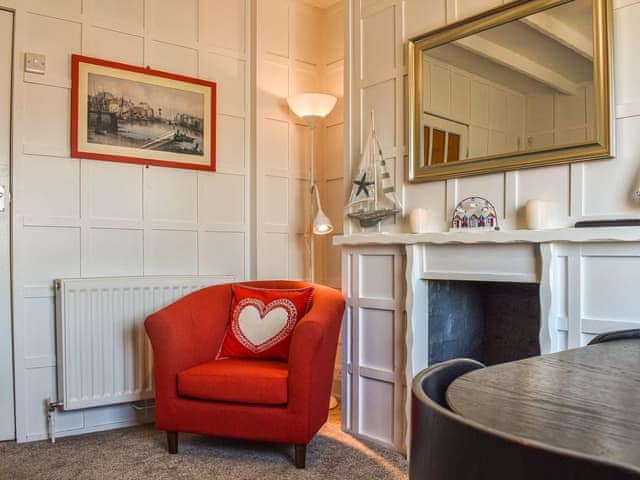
x=34, y=63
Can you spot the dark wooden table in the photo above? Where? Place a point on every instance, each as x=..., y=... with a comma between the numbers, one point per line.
x=585, y=400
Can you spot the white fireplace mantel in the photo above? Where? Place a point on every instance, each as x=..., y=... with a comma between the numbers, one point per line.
x=571, y=235
x=587, y=281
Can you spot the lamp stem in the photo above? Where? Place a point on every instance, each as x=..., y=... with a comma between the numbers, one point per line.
x=313, y=186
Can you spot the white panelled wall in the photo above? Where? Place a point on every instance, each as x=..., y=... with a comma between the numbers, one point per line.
x=586, y=288
x=293, y=57
x=377, y=73
x=86, y=218
x=75, y=218
x=300, y=48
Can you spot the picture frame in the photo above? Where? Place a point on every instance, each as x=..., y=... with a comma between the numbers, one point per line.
x=502, y=62
x=125, y=113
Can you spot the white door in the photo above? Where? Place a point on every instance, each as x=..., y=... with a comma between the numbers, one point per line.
x=7, y=424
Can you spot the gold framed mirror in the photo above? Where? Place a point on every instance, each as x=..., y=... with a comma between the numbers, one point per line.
x=524, y=85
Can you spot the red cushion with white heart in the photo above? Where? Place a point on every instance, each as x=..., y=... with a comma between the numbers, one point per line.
x=262, y=321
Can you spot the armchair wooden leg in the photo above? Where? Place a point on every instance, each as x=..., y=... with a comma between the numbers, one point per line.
x=300, y=455
x=172, y=442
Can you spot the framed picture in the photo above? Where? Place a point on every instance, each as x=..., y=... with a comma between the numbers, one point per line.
x=123, y=113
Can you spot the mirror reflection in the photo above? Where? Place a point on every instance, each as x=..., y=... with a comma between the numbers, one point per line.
x=524, y=86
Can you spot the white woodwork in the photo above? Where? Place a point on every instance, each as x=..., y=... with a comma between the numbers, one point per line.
x=331, y=173
x=610, y=183
x=118, y=15
x=559, y=31
x=222, y=24
x=506, y=263
x=171, y=196
x=80, y=218
x=626, y=22
x=222, y=253
x=116, y=191
x=305, y=31
x=176, y=25
x=42, y=197
x=381, y=98
x=568, y=235
x=228, y=73
x=111, y=251
x=222, y=189
x=594, y=189
x=373, y=352
x=515, y=61
x=230, y=144
x=171, y=252
x=379, y=53
x=116, y=46
x=420, y=16
x=68, y=36
x=172, y=58
x=7, y=412
x=289, y=60
x=47, y=136
x=586, y=279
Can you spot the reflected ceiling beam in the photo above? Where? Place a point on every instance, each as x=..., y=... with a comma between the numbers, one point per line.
x=562, y=33
x=515, y=61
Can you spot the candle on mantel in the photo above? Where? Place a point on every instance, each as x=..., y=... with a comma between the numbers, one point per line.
x=418, y=220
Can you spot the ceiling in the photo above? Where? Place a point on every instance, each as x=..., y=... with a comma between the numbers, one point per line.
x=549, y=51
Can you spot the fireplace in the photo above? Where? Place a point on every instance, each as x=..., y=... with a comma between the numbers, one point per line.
x=492, y=322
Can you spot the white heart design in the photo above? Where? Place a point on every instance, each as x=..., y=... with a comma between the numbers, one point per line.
x=259, y=327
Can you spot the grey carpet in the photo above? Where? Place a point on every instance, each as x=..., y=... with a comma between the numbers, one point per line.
x=140, y=453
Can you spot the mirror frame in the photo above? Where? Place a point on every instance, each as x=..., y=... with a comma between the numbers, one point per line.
x=602, y=147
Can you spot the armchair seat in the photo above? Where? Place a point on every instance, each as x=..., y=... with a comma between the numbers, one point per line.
x=260, y=382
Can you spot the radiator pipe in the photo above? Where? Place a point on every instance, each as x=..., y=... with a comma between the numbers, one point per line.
x=51, y=417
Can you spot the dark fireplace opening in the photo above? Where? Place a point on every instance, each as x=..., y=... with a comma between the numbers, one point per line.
x=492, y=322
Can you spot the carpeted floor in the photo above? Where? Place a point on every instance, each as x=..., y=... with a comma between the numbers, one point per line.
x=140, y=453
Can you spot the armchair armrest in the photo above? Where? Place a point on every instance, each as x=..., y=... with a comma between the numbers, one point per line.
x=312, y=356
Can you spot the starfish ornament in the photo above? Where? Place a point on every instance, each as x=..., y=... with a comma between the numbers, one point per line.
x=363, y=185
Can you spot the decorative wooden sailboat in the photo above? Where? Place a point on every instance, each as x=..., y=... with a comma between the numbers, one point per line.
x=373, y=195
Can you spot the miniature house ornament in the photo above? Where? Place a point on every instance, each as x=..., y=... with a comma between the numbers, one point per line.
x=474, y=214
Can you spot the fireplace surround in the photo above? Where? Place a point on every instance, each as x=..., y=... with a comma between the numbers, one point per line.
x=392, y=281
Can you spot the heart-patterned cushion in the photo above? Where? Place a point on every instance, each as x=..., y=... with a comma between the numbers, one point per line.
x=262, y=321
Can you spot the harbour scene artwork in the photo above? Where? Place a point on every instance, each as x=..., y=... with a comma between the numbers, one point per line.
x=127, y=113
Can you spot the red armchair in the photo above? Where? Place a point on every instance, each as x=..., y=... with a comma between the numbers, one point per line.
x=248, y=399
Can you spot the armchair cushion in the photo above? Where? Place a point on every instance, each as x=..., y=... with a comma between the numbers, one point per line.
x=236, y=380
x=262, y=321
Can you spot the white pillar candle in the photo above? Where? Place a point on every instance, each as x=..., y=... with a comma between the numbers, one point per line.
x=418, y=219
x=537, y=214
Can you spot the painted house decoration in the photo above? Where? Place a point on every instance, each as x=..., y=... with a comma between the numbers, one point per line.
x=474, y=214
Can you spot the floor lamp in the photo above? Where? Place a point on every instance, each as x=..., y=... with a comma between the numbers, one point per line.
x=311, y=107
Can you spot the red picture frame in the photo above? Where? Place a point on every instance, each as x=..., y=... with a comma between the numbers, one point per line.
x=130, y=114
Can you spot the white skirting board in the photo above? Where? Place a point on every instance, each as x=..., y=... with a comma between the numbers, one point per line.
x=104, y=354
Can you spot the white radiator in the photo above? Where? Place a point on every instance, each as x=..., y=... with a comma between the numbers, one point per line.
x=104, y=355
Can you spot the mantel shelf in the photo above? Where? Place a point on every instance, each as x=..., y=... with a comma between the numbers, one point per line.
x=569, y=235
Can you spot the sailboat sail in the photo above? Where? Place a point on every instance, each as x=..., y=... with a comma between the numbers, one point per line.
x=373, y=195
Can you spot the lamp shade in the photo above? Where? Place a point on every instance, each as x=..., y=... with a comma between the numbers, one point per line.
x=311, y=105
x=321, y=224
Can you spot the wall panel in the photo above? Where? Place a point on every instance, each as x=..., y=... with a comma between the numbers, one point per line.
x=81, y=218
x=592, y=189
x=288, y=60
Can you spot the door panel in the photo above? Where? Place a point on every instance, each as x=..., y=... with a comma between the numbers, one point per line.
x=7, y=418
